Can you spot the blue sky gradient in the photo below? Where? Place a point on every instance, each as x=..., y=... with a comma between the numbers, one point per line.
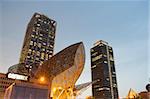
x=123, y=24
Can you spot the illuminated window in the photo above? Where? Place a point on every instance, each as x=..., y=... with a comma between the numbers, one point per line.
x=113, y=75
x=96, y=86
x=52, y=33
x=94, y=53
x=42, y=55
x=111, y=57
x=31, y=42
x=32, y=35
x=39, y=19
x=41, y=34
x=110, y=50
x=96, y=58
x=37, y=58
x=44, y=43
x=30, y=50
x=38, y=24
x=47, y=50
x=40, y=38
x=100, y=55
x=33, y=30
x=41, y=63
x=92, y=50
x=114, y=85
x=46, y=56
x=50, y=45
x=38, y=53
x=109, y=47
x=104, y=88
x=28, y=56
x=39, y=45
x=94, y=66
x=34, y=43
x=50, y=56
x=105, y=55
x=36, y=33
x=37, y=28
x=45, y=22
x=43, y=49
x=105, y=61
x=107, y=79
x=114, y=72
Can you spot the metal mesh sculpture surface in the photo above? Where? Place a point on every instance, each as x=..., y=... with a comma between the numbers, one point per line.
x=63, y=70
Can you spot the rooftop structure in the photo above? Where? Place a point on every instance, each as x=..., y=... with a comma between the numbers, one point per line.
x=18, y=69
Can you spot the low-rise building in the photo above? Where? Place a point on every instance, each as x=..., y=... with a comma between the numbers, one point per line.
x=6, y=81
x=27, y=91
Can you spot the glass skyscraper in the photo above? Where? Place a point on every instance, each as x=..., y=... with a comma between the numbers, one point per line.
x=39, y=40
x=103, y=71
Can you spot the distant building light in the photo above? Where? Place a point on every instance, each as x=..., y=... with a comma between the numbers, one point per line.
x=17, y=76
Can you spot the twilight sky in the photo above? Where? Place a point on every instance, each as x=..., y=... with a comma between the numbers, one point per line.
x=122, y=23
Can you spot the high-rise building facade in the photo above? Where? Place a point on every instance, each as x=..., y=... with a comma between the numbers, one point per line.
x=38, y=42
x=103, y=71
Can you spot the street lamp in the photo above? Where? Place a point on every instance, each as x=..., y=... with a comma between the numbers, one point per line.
x=42, y=79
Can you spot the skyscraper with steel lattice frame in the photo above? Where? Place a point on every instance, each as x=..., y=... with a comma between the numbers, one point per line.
x=38, y=42
x=103, y=71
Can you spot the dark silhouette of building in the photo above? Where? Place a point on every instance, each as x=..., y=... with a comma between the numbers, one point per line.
x=103, y=71
x=38, y=42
